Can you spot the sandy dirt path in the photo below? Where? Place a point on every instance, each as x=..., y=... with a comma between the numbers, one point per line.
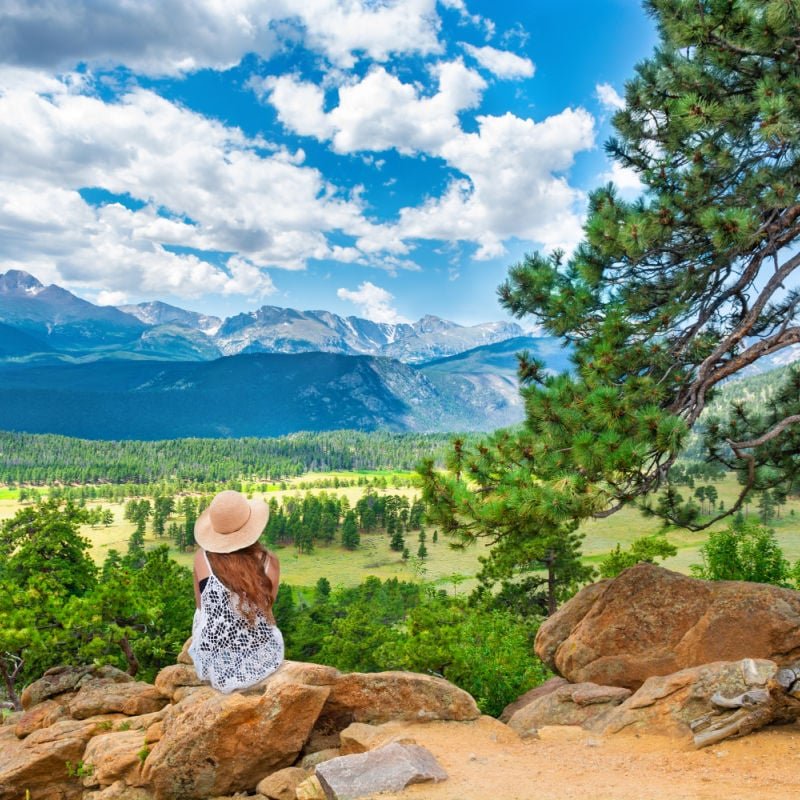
x=487, y=761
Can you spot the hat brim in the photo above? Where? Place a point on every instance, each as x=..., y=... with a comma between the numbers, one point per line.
x=215, y=542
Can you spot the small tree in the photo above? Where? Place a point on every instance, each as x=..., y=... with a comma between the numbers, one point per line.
x=646, y=549
x=351, y=538
x=745, y=551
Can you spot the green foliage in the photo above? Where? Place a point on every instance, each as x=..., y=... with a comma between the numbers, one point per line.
x=350, y=536
x=395, y=625
x=488, y=653
x=646, y=549
x=493, y=492
x=79, y=769
x=744, y=551
x=53, y=609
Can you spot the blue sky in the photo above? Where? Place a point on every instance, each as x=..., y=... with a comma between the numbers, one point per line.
x=383, y=159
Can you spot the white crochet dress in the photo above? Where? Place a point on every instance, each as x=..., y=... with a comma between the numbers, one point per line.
x=226, y=649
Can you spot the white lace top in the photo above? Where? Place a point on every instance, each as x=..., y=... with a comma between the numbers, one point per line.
x=226, y=649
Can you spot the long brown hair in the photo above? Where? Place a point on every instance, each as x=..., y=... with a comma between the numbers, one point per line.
x=243, y=573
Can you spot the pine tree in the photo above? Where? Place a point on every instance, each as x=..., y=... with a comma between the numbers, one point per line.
x=397, y=542
x=666, y=297
x=350, y=536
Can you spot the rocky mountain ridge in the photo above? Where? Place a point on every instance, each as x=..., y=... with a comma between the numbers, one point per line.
x=63, y=322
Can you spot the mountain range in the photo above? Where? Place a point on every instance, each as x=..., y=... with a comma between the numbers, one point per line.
x=153, y=370
x=71, y=329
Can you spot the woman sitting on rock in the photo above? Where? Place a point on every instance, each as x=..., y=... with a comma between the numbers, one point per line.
x=235, y=642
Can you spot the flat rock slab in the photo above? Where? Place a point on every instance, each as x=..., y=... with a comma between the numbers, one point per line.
x=387, y=769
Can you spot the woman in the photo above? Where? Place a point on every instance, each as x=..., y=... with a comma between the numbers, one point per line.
x=235, y=642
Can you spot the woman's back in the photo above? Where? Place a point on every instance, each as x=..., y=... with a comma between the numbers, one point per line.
x=235, y=642
x=228, y=649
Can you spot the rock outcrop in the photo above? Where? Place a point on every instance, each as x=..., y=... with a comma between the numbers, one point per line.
x=92, y=734
x=650, y=621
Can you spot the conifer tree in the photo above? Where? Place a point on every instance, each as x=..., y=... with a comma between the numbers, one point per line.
x=666, y=297
x=350, y=536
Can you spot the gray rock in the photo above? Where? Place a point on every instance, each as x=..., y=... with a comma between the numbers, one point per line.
x=387, y=769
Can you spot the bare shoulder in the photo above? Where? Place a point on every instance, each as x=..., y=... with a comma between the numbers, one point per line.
x=200, y=565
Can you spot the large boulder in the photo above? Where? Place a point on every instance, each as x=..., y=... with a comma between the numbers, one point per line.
x=40, y=762
x=42, y=715
x=131, y=699
x=217, y=744
x=390, y=768
x=651, y=621
x=382, y=696
x=111, y=757
x=58, y=680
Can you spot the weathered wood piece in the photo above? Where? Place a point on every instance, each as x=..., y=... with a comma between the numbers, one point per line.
x=747, y=712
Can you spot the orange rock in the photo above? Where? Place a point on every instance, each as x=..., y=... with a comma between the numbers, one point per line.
x=216, y=744
x=282, y=785
x=651, y=621
x=130, y=699
x=176, y=676
x=40, y=716
x=111, y=757
x=59, y=680
x=382, y=696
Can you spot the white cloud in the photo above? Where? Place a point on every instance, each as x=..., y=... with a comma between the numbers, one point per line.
x=380, y=112
x=514, y=189
x=174, y=36
x=624, y=178
x=501, y=62
x=373, y=302
x=220, y=194
x=609, y=97
x=510, y=182
x=105, y=298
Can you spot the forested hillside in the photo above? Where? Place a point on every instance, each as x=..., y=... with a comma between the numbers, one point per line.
x=44, y=458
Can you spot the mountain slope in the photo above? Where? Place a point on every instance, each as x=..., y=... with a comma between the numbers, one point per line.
x=286, y=330
x=263, y=394
x=59, y=318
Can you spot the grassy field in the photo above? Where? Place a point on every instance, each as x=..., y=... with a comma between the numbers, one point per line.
x=375, y=557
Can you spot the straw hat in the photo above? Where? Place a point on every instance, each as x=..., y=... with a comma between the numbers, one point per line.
x=230, y=523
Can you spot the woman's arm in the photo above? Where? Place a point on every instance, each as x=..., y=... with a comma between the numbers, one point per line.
x=200, y=571
x=274, y=574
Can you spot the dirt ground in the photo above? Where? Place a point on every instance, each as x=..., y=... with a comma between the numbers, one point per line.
x=485, y=760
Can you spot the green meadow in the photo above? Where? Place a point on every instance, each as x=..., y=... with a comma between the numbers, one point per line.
x=444, y=565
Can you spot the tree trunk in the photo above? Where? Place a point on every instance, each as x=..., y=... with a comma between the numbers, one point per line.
x=551, y=585
x=9, y=679
x=130, y=656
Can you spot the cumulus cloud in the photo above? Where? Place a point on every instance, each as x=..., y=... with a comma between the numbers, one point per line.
x=204, y=187
x=373, y=302
x=502, y=63
x=166, y=37
x=609, y=97
x=380, y=112
x=510, y=181
x=514, y=189
x=624, y=178
x=106, y=298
